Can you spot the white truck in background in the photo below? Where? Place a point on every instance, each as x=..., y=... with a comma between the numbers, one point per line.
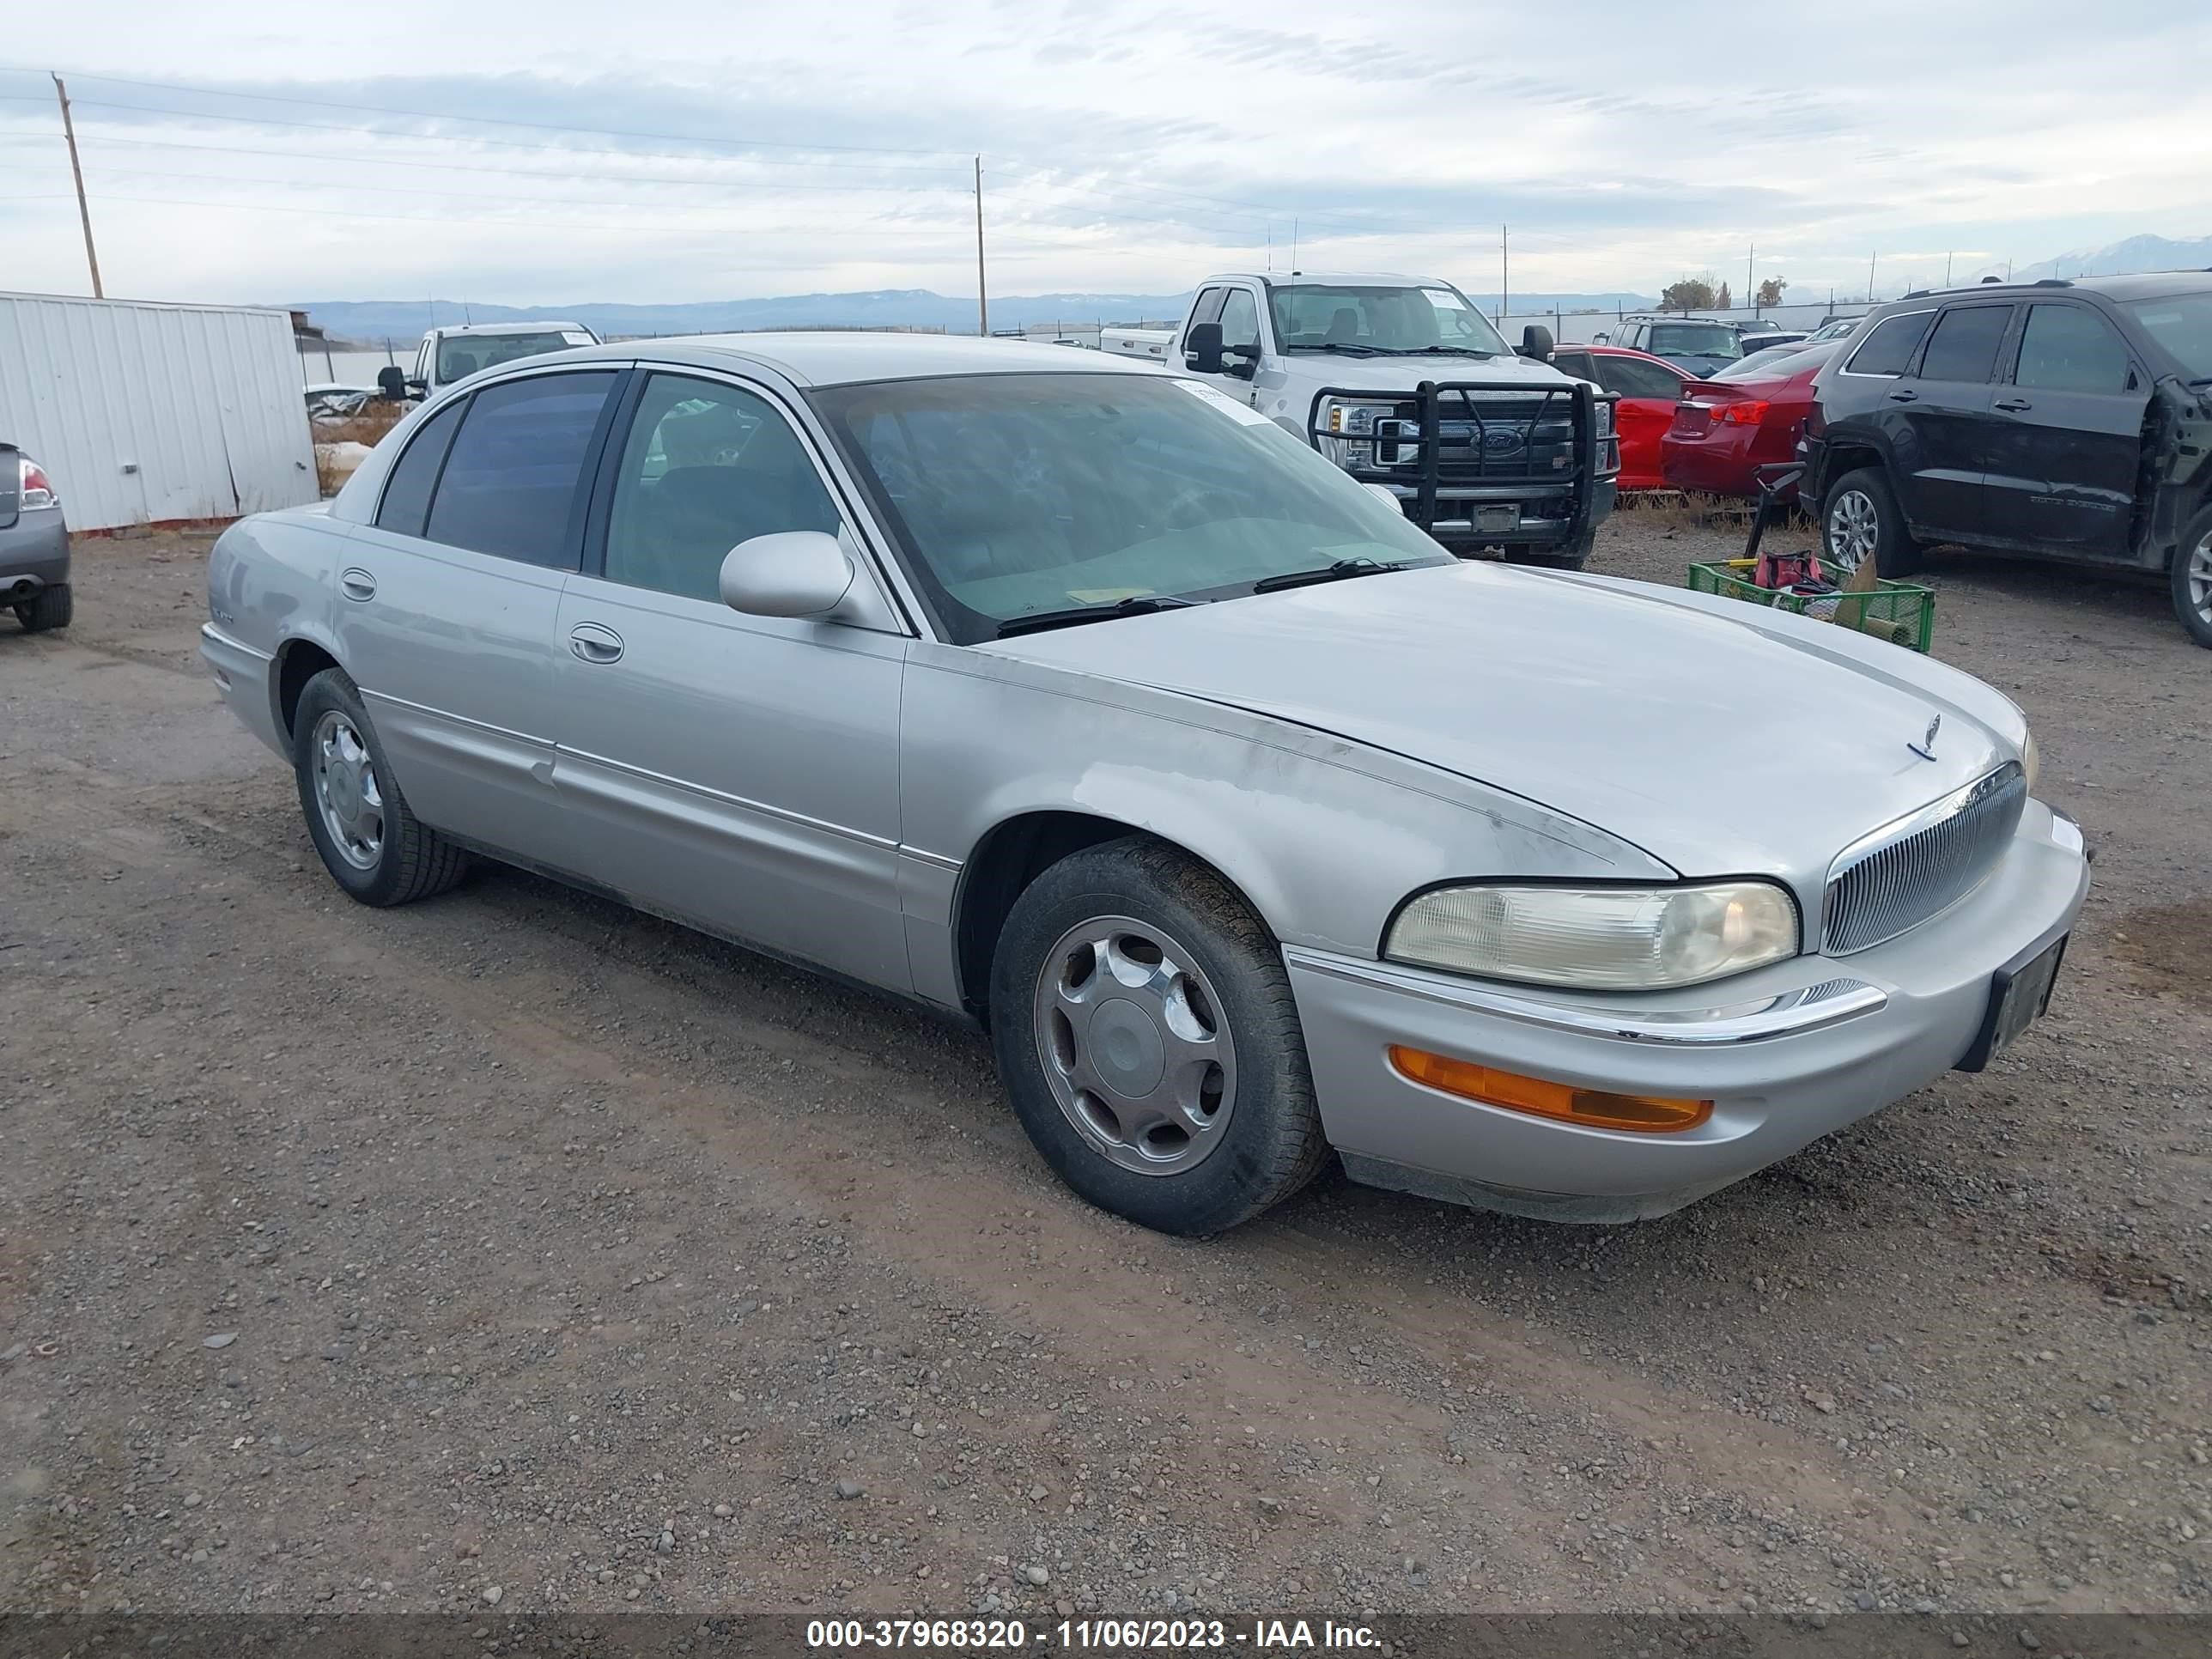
x=1402, y=383
x=448, y=355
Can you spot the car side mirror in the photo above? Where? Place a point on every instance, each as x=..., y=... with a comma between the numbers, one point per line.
x=1602, y=339
x=1201, y=347
x=793, y=573
x=1536, y=342
x=391, y=382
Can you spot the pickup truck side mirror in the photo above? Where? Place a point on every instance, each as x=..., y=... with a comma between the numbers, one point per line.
x=391, y=382
x=1241, y=361
x=1536, y=342
x=1201, y=347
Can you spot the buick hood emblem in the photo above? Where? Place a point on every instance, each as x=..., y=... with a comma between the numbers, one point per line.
x=1926, y=747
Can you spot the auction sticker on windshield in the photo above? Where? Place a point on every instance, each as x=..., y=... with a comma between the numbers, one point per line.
x=1207, y=393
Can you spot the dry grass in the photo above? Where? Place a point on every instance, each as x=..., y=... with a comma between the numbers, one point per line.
x=367, y=428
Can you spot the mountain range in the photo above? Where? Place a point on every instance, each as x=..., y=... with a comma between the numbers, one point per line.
x=2124, y=258
x=403, y=321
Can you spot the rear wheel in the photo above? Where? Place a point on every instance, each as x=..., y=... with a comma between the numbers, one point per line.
x=372, y=845
x=1146, y=1035
x=1860, y=520
x=2192, y=578
x=51, y=607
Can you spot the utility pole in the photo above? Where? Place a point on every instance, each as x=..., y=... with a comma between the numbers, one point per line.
x=83, y=213
x=1749, y=287
x=1946, y=270
x=1871, y=257
x=983, y=301
x=1505, y=277
x=1294, y=244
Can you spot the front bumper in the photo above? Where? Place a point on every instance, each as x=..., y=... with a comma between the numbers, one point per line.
x=1541, y=520
x=34, y=554
x=1787, y=1055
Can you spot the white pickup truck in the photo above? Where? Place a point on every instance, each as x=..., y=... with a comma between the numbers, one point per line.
x=448, y=355
x=1400, y=381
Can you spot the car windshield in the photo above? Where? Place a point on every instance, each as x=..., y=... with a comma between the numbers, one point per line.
x=463, y=355
x=2182, y=323
x=1694, y=340
x=1325, y=316
x=1017, y=495
x=1778, y=363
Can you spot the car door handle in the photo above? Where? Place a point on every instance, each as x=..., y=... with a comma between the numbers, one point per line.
x=2013, y=406
x=1904, y=396
x=357, y=584
x=594, y=644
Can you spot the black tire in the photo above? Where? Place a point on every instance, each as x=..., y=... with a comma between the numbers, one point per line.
x=1271, y=1141
x=1896, y=554
x=52, y=608
x=1572, y=555
x=2191, y=578
x=411, y=860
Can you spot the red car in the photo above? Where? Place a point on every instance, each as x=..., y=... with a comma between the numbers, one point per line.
x=1649, y=387
x=1740, y=418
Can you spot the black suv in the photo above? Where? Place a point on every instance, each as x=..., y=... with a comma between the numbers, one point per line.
x=2061, y=420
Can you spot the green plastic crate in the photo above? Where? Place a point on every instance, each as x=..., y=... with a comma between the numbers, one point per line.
x=1901, y=612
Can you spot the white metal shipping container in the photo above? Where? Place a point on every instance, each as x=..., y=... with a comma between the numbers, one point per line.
x=144, y=413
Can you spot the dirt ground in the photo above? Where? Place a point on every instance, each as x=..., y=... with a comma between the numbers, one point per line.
x=510, y=1250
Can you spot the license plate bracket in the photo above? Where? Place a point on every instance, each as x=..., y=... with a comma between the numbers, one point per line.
x=1498, y=517
x=2020, y=995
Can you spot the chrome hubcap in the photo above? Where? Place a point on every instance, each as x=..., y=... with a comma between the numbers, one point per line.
x=1133, y=1044
x=1854, y=528
x=2199, y=577
x=346, y=790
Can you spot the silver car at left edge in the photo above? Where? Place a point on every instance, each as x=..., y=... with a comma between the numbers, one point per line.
x=1065, y=695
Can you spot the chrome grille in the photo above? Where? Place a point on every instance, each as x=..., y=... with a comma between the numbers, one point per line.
x=1907, y=872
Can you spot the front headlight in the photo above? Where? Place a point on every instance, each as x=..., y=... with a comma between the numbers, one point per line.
x=1598, y=939
x=1604, y=418
x=1341, y=415
x=2030, y=762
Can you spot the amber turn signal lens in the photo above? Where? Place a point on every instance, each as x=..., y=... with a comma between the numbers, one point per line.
x=1592, y=1107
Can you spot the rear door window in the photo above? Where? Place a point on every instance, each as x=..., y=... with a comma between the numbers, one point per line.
x=407, y=491
x=2071, y=349
x=1963, y=346
x=1890, y=347
x=512, y=484
x=1632, y=377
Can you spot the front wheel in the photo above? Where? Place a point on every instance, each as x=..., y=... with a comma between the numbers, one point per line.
x=2192, y=578
x=1146, y=1034
x=1860, y=520
x=376, y=849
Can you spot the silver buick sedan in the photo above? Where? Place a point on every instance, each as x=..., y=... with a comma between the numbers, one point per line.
x=1063, y=695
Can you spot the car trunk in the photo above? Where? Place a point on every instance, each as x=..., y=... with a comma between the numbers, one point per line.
x=1701, y=400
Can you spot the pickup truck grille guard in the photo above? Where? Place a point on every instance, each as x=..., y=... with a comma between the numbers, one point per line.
x=1436, y=402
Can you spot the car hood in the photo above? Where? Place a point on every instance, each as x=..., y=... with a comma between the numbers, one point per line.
x=1404, y=374
x=1718, y=737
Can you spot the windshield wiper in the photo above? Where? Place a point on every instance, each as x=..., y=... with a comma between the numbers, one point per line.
x=1445, y=351
x=1136, y=605
x=1350, y=348
x=1335, y=573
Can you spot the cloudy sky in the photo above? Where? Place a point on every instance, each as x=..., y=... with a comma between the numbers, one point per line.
x=691, y=150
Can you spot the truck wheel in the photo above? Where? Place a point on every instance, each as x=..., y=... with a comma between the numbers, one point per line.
x=1572, y=555
x=372, y=845
x=51, y=607
x=1146, y=1035
x=1860, y=518
x=2192, y=578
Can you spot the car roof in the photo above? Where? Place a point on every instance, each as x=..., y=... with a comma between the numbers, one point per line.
x=2147, y=285
x=520, y=325
x=827, y=357
x=1344, y=278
